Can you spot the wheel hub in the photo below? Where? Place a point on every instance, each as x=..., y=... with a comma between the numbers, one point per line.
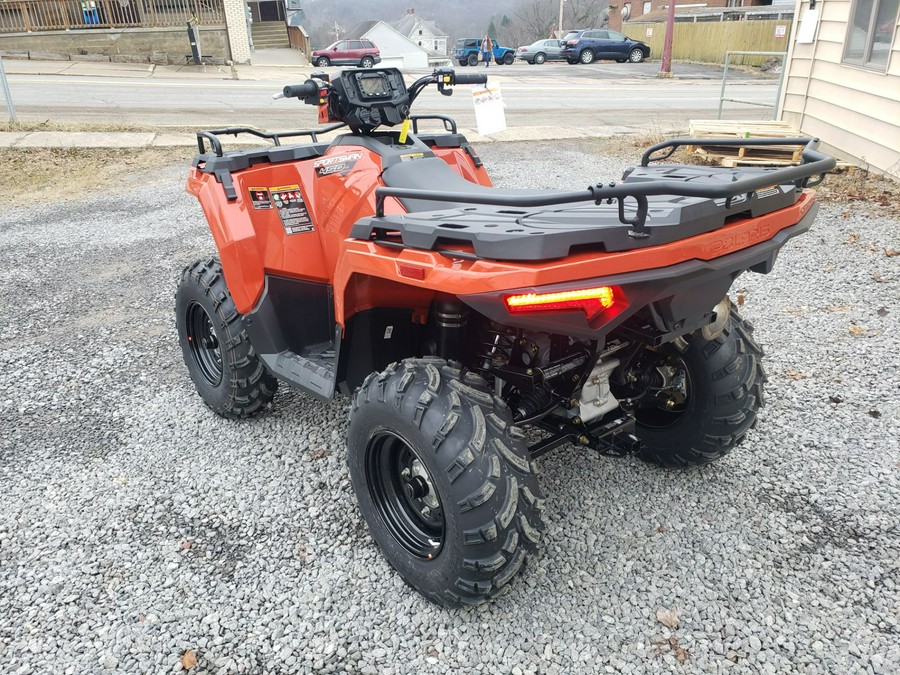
x=405, y=495
x=204, y=343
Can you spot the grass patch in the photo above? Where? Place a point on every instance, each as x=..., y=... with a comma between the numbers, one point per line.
x=58, y=174
x=105, y=127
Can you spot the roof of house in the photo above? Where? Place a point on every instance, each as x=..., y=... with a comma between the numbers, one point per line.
x=391, y=28
x=408, y=22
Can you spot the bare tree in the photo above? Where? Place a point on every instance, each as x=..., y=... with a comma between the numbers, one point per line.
x=584, y=13
x=535, y=18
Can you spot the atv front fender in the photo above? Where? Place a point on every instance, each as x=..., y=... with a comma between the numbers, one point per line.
x=235, y=239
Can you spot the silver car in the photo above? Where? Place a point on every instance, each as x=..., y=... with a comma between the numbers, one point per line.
x=540, y=51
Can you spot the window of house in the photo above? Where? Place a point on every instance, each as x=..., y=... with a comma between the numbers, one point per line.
x=648, y=7
x=871, y=32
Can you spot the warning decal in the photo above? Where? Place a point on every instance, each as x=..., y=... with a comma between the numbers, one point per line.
x=292, y=209
x=260, y=197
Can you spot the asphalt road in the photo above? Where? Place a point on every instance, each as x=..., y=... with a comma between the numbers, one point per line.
x=596, y=95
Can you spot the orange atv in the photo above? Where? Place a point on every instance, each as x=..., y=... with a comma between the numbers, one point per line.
x=454, y=315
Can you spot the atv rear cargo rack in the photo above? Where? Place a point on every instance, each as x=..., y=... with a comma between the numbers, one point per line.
x=815, y=164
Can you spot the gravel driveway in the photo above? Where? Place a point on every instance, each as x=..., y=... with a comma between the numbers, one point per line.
x=137, y=527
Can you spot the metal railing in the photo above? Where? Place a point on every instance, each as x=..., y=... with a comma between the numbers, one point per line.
x=774, y=106
x=25, y=16
x=4, y=86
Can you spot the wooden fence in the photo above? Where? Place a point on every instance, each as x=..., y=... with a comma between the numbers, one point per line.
x=25, y=16
x=707, y=41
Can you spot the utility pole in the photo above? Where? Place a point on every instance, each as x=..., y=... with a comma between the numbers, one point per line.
x=665, y=70
x=559, y=30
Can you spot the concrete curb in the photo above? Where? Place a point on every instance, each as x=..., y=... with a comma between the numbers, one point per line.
x=153, y=139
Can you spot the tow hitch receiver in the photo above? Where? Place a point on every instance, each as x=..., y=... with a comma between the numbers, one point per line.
x=612, y=435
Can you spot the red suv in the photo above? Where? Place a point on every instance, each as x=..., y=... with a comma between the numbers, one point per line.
x=362, y=53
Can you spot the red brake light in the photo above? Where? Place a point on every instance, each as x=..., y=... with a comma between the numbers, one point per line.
x=591, y=301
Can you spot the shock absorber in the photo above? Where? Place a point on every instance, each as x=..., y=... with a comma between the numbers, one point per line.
x=450, y=319
x=496, y=349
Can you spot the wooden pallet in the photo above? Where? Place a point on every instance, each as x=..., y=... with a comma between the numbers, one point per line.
x=749, y=155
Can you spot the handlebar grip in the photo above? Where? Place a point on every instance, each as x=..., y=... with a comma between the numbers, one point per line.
x=304, y=90
x=470, y=78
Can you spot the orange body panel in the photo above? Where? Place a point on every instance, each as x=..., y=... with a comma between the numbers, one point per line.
x=466, y=277
x=252, y=242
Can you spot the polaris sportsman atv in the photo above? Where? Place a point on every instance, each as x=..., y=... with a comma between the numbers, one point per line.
x=454, y=315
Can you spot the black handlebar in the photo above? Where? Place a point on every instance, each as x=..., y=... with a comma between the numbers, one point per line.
x=470, y=78
x=308, y=88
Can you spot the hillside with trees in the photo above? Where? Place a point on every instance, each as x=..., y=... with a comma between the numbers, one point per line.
x=512, y=22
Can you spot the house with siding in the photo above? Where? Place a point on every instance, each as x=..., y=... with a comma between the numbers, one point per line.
x=843, y=79
x=422, y=33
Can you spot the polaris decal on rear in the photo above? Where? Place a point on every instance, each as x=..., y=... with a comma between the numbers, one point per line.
x=341, y=164
x=292, y=209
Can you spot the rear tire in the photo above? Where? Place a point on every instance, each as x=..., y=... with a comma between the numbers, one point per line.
x=444, y=480
x=367, y=62
x=225, y=368
x=636, y=56
x=322, y=62
x=587, y=56
x=539, y=58
x=724, y=391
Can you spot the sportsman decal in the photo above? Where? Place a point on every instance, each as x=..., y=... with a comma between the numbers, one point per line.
x=341, y=164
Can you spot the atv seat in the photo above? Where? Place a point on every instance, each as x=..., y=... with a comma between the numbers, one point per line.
x=432, y=173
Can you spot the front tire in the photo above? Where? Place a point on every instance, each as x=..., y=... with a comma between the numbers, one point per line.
x=444, y=480
x=717, y=389
x=225, y=368
x=508, y=59
x=322, y=62
x=472, y=60
x=587, y=56
x=636, y=56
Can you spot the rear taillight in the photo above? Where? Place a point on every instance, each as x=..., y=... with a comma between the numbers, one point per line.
x=571, y=43
x=592, y=301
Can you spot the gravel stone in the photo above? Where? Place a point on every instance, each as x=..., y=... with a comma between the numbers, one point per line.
x=782, y=557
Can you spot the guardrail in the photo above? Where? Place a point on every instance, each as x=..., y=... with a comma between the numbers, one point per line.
x=774, y=106
x=26, y=16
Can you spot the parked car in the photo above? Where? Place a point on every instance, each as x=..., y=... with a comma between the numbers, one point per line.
x=468, y=49
x=540, y=51
x=587, y=46
x=362, y=53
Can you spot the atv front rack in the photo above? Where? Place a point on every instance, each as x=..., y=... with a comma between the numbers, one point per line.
x=814, y=164
x=215, y=144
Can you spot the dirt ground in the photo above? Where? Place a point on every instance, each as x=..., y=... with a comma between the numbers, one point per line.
x=60, y=174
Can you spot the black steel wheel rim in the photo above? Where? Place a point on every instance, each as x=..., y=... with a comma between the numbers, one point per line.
x=404, y=495
x=204, y=343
